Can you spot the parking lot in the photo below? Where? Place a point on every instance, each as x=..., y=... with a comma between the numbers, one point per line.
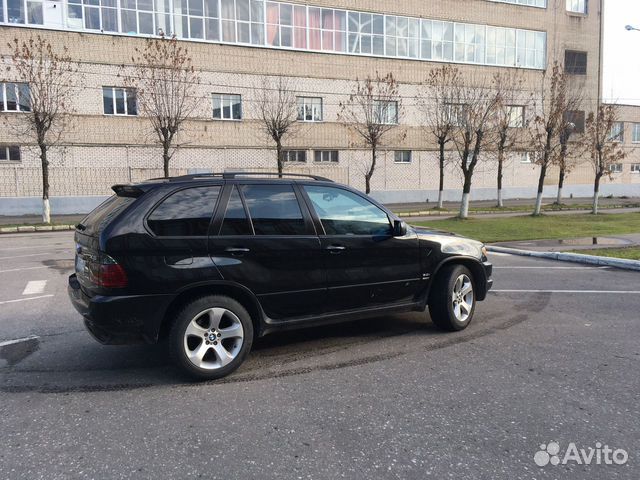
x=552, y=355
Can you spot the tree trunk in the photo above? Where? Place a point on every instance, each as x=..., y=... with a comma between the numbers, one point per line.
x=369, y=174
x=560, y=184
x=46, y=208
x=441, y=185
x=543, y=174
x=500, y=174
x=165, y=158
x=466, y=190
x=279, y=157
x=596, y=193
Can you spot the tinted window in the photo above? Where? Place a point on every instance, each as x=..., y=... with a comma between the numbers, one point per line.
x=102, y=215
x=345, y=213
x=186, y=213
x=235, y=219
x=274, y=210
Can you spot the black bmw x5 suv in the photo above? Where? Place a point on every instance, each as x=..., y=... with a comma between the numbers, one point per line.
x=213, y=261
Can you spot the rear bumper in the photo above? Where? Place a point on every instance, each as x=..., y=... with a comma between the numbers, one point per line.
x=119, y=320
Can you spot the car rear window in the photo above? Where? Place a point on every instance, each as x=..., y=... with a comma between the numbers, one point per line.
x=104, y=213
x=185, y=213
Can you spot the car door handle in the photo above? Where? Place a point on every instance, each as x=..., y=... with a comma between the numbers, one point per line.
x=336, y=248
x=236, y=250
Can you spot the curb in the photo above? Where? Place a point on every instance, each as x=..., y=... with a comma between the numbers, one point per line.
x=572, y=257
x=439, y=213
x=39, y=228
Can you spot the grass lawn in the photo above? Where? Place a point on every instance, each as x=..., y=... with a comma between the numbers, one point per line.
x=543, y=227
x=629, y=253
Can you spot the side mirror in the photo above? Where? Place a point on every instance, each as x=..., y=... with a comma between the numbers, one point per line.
x=399, y=228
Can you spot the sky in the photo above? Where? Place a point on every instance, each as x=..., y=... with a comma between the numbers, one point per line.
x=621, y=82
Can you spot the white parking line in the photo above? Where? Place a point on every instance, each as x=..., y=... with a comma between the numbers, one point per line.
x=34, y=287
x=25, y=299
x=565, y=291
x=548, y=268
x=30, y=255
x=19, y=340
x=21, y=269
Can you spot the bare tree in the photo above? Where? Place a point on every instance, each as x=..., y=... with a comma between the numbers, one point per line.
x=604, y=146
x=564, y=161
x=373, y=110
x=552, y=116
x=475, y=105
x=435, y=103
x=49, y=76
x=165, y=85
x=277, y=108
x=509, y=117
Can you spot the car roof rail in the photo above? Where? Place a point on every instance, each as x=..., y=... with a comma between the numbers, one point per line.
x=233, y=175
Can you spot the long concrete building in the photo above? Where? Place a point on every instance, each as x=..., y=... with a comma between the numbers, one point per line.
x=323, y=46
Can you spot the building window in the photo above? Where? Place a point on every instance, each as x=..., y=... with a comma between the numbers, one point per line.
x=227, y=107
x=635, y=133
x=402, y=156
x=529, y=3
x=282, y=25
x=617, y=132
x=324, y=156
x=615, y=168
x=516, y=116
x=310, y=109
x=119, y=101
x=457, y=114
x=15, y=97
x=635, y=168
x=575, y=63
x=299, y=156
x=526, y=157
x=577, y=117
x=10, y=153
x=577, y=6
x=386, y=112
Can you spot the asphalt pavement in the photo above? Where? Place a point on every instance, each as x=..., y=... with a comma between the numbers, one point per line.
x=551, y=356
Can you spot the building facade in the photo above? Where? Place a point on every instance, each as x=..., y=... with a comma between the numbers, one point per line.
x=322, y=46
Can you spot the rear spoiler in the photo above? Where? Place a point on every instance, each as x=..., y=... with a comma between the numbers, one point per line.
x=127, y=191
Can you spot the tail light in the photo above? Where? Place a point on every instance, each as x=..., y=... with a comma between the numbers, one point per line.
x=108, y=273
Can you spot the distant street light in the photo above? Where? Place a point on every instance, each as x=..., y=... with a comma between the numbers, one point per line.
x=631, y=27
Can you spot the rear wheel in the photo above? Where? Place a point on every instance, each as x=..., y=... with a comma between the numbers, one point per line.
x=452, y=300
x=211, y=337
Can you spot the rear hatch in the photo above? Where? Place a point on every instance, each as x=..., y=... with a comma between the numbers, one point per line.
x=95, y=270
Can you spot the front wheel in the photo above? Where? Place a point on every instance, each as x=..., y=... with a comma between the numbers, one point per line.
x=452, y=300
x=211, y=337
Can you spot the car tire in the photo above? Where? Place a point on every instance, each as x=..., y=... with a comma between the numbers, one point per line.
x=210, y=337
x=451, y=304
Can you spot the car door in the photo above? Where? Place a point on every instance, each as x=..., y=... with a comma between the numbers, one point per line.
x=366, y=265
x=267, y=242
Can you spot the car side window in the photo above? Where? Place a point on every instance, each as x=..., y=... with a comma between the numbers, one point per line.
x=235, y=220
x=274, y=210
x=185, y=213
x=345, y=213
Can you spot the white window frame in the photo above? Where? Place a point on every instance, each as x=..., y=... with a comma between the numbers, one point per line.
x=578, y=6
x=316, y=106
x=223, y=98
x=3, y=104
x=617, y=132
x=615, y=168
x=382, y=110
x=287, y=154
x=326, y=156
x=527, y=158
x=635, y=168
x=113, y=101
x=520, y=110
x=6, y=149
x=635, y=133
x=403, y=157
